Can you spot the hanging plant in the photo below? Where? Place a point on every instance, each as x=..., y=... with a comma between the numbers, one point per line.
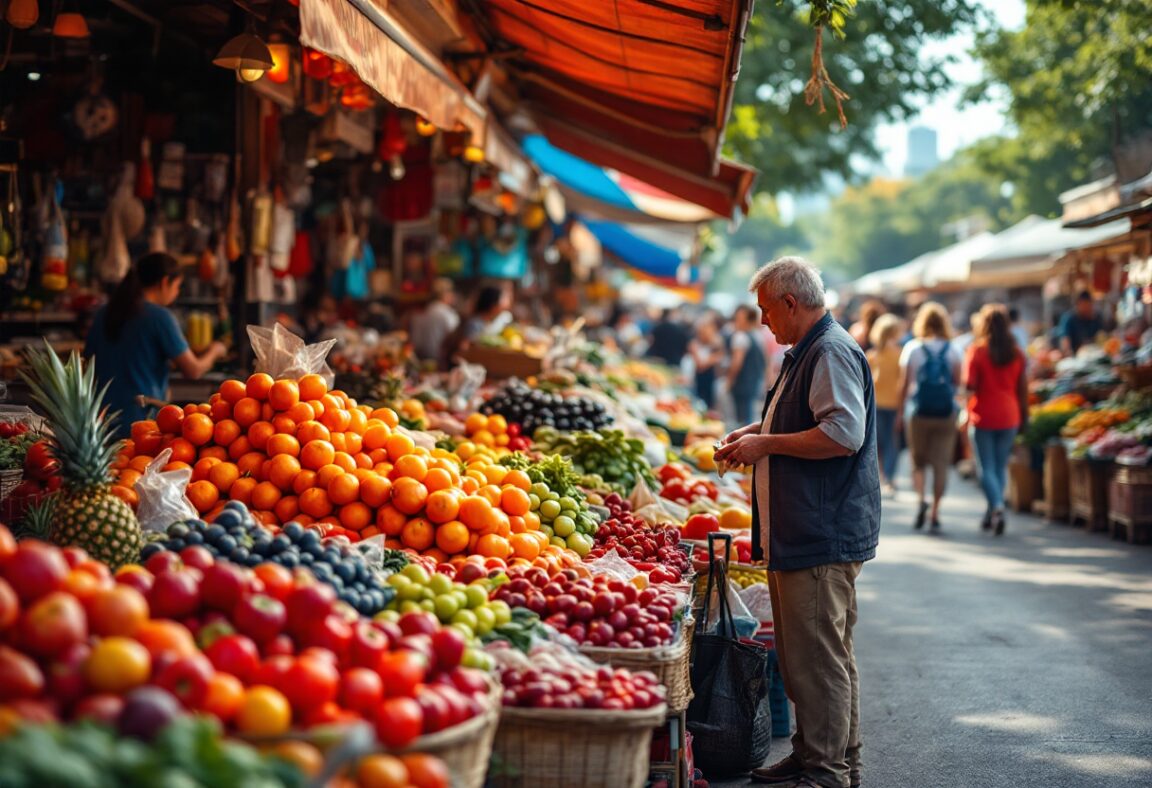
x=831, y=14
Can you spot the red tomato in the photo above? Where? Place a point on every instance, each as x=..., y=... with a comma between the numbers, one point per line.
x=399, y=722
x=235, y=654
x=401, y=672
x=700, y=525
x=311, y=682
x=361, y=690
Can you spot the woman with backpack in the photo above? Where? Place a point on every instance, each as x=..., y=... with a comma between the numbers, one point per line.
x=931, y=374
x=994, y=375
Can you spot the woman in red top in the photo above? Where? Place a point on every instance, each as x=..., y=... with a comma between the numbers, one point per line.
x=997, y=406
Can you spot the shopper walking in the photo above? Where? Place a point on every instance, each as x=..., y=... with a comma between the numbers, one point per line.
x=816, y=509
x=433, y=324
x=861, y=330
x=994, y=375
x=669, y=340
x=134, y=339
x=707, y=351
x=884, y=360
x=928, y=405
x=747, y=364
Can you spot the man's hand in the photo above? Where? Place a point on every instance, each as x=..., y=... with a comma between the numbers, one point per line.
x=736, y=435
x=745, y=450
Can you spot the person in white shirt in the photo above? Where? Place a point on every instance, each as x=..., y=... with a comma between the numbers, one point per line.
x=435, y=322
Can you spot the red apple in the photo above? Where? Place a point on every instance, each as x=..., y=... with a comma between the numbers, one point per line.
x=448, y=646
x=260, y=617
x=174, y=594
x=419, y=623
x=19, y=676
x=197, y=556
x=35, y=570
x=308, y=603
x=163, y=561
x=235, y=654
x=224, y=584
x=368, y=643
x=52, y=624
x=187, y=679
x=103, y=708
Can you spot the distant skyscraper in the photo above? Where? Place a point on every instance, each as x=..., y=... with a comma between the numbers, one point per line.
x=922, y=155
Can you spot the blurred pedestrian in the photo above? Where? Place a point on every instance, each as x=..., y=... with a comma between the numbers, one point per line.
x=997, y=406
x=433, y=324
x=931, y=375
x=1019, y=333
x=670, y=338
x=626, y=334
x=707, y=352
x=884, y=360
x=747, y=364
x=861, y=330
x=1079, y=325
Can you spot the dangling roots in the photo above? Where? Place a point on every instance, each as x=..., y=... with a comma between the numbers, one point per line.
x=814, y=90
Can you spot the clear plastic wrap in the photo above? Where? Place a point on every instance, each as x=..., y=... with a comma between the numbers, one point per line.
x=282, y=354
x=758, y=601
x=162, y=498
x=463, y=382
x=612, y=565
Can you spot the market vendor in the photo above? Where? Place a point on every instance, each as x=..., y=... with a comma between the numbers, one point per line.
x=134, y=339
x=816, y=516
x=1079, y=325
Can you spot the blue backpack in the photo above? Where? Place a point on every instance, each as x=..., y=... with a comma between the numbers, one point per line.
x=935, y=392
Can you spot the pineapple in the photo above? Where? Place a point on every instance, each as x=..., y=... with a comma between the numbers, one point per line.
x=88, y=514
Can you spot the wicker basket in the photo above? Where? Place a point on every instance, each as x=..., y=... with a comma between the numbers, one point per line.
x=669, y=663
x=1088, y=492
x=579, y=748
x=1024, y=485
x=1056, y=481
x=465, y=748
x=9, y=481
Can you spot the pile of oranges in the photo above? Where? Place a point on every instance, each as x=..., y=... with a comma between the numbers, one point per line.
x=291, y=450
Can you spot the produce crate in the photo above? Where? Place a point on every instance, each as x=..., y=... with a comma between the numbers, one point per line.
x=669, y=663
x=1130, y=503
x=1135, y=377
x=1088, y=492
x=465, y=748
x=501, y=363
x=1024, y=485
x=573, y=748
x=1056, y=481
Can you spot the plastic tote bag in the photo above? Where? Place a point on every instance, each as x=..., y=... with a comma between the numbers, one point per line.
x=730, y=716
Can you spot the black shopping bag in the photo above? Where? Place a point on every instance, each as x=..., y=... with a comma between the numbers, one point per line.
x=730, y=714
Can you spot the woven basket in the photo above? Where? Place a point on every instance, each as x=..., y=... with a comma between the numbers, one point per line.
x=9, y=481
x=578, y=748
x=670, y=663
x=465, y=748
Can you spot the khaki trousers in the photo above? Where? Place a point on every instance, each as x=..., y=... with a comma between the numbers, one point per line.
x=814, y=611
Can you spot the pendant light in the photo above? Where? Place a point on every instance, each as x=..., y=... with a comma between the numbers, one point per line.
x=282, y=63
x=70, y=24
x=22, y=14
x=247, y=55
x=425, y=127
x=474, y=154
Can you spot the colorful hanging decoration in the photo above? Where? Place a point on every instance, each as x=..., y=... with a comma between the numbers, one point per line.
x=316, y=64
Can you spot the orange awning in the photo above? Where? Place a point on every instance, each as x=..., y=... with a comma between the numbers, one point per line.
x=642, y=86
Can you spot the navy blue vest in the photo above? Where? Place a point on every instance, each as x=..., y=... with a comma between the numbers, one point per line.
x=822, y=511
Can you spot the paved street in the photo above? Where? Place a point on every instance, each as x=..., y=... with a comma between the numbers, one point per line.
x=1019, y=661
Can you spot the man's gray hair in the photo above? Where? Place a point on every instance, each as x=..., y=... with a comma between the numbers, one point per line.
x=792, y=276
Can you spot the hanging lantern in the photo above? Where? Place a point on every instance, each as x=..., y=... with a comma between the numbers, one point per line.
x=342, y=75
x=393, y=143
x=425, y=127
x=281, y=63
x=508, y=202
x=316, y=64
x=22, y=14
x=534, y=216
x=247, y=55
x=358, y=97
x=474, y=154
x=70, y=24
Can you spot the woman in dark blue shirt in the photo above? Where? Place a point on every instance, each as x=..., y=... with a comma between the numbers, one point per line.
x=134, y=339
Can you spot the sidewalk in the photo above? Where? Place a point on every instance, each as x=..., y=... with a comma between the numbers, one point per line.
x=1023, y=660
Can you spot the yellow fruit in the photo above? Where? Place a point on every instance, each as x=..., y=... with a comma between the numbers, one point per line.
x=735, y=518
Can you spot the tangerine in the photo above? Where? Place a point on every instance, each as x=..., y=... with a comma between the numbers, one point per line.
x=259, y=433
x=312, y=387
x=239, y=447
x=281, y=471
x=202, y=494
x=493, y=546
x=304, y=480
x=442, y=506
x=518, y=479
x=452, y=537
x=399, y=444
x=514, y=500
x=375, y=490
x=376, y=436
x=284, y=424
x=316, y=454
x=265, y=495
x=182, y=450
x=283, y=444
x=326, y=474
x=220, y=410
x=476, y=512
x=438, y=479
x=232, y=391
x=418, y=533
x=335, y=419
x=125, y=494
x=247, y=412
x=344, y=489
x=355, y=516
x=312, y=430
x=300, y=412
x=408, y=495
x=524, y=546
x=390, y=520
x=201, y=468
x=258, y=385
x=286, y=508
x=345, y=461
x=225, y=432
x=223, y=475
x=241, y=489
x=169, y=419
x=314, y=502
x=411, y=466
x=284, y=394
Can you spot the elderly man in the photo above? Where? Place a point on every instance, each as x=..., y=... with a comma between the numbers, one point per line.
x=816, y=503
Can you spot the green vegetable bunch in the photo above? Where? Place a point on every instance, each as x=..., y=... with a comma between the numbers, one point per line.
x=1044, y=426
x=521, y=631
x=608, y=454
x=13, y=450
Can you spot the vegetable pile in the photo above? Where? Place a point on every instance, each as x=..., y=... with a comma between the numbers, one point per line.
x=605, y=459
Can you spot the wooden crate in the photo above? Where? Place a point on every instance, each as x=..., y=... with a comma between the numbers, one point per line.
x=1056, y=481
x=1088, y=492
x=501, y=363
x=1024, y=485
x=1130, y=504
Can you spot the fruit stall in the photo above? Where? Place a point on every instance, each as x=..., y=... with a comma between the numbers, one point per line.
x=431, y=587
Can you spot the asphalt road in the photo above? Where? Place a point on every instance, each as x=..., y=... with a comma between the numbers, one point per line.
x=1023, y=660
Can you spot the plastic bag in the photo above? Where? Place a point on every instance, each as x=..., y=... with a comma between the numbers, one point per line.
x=463, y=382
x=612, y=565
x=282, y=354
x=162, y=498
x=757, y=599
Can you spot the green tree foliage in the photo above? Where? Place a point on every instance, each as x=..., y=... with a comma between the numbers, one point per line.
x=879, y=63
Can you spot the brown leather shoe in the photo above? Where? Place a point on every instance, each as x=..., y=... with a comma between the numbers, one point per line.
x=782, y=772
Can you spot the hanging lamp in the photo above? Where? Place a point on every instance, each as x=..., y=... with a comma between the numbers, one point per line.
x=22, y=14
x=247, y=55
x=425, y=127
x=281, y=63
x=70, y=24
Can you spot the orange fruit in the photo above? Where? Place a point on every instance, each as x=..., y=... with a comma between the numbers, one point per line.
x=247, y=412
x=128, y=477
x=514, y=500
x=265, y=495
x=201, y=468
x=357, y=421
x=375, y=490
x=317, y=408
x=259, y=385
x=304, y=756
x=147, y=436
x=239, y=447
x=312, y=430
x=425, y=771
x=437, y=479
x=335, y=419
x=355, y=516
x=376, y=436
x=232, y=391
x=267, y=412
x=264, y=711
x=285, y=425
x=408, y=495
x=418, y=533
x=223, y=475
x=312, y=387
x=411, y=466
x=286, y=508
x=300, y=412
x=169, y=418
x=241, y=490
x=476, y=512
x=382, y=771
x=491, y=545
x=203, y=495
x=284, y=394
x=140, y=462
x=353, y=443
x=442, y=506
x=259, y=433
x=303, y=481
x=125, y=494
x=316, y=454
x=518, y=479
x=220, y=410
x=332, y=402
x=452, y=537
x=176, y=466
x=390, y=520
x=182, y=450
x=283, y=444
x=495, y=473
x=475, y=422
x=524, y=546
x=469, y=485
x=216, y=452
x=282, y=470
x=399, y=444
x=344, y=489
x=252, y=464
x=339, y=441
x=225, y=432
x=390, y=417
x=326, y=474
x=492, y=493
x=315, y=503
x=345, y=461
